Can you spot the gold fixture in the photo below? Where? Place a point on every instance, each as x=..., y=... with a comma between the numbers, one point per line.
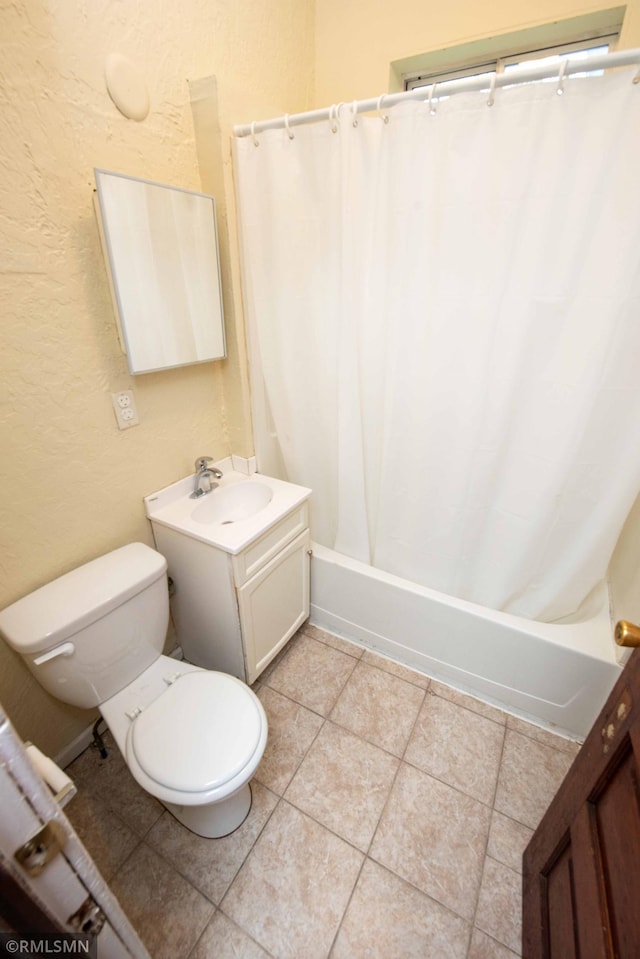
x=34, y=855
x=88, y=920
x=627, y=634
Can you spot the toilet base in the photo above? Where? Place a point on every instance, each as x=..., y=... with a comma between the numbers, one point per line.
x=218, y=819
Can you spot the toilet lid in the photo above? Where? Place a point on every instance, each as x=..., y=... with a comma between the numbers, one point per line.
x=199, y=734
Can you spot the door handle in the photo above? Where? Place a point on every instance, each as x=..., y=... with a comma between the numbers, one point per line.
x=627, y=634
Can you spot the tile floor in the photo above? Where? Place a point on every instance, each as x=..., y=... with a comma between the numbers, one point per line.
x=388, y=821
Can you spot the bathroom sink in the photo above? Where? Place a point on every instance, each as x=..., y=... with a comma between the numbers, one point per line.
x=237, y=512
x=232, y=504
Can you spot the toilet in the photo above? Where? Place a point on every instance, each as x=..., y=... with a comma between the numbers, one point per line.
x=191, y=737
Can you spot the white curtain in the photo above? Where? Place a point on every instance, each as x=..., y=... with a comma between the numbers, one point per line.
x=444, y=325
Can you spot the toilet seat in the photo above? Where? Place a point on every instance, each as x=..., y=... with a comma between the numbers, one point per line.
x=199, y=735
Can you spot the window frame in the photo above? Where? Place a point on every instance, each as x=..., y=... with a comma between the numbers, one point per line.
x=490, y=65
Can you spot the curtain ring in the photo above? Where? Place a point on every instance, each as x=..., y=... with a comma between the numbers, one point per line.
x=492, y=90
x=432, y=109
x=354, y=112
x=286, y=126
x=560, y=87
x=256, y=142
x=385, y=118
x=333, y=122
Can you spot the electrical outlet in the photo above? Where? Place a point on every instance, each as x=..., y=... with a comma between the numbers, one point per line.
x=124, y=407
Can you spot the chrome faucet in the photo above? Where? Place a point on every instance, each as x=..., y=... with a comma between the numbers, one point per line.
x=205, y=476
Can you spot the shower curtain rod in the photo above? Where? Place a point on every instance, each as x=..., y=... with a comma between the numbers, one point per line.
x=602, y=61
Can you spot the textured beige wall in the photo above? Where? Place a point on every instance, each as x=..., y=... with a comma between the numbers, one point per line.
x=624, y=570
x=71, y=483
x=356, y=40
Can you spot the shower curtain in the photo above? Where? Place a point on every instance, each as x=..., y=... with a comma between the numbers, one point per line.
x=443, y=312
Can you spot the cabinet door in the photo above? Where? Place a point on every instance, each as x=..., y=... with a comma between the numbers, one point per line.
x=274, y=603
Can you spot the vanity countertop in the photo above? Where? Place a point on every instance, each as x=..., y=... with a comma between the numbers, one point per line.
x=233, y=520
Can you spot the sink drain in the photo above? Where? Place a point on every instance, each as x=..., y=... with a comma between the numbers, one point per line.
x=226, y=522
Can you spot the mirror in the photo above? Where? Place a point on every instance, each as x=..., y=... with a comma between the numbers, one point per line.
x=161, y=250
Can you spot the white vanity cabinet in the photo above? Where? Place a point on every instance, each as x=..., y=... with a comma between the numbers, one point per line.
x=273, y=604
x=234, y=612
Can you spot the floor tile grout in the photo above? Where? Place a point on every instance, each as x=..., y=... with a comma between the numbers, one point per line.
x=486, y=845
x=237, y=862
x=401, y=759
x=507, y=716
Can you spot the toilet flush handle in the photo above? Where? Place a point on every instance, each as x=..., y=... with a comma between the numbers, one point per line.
x=65, y=649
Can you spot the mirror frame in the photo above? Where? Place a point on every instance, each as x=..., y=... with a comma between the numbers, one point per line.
x=161, y=250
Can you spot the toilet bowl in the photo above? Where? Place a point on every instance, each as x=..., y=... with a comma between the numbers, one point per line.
x=191, y=737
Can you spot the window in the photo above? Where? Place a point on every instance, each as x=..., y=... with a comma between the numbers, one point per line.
x=577, y=50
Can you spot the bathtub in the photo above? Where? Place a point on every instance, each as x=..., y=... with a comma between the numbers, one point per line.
x=555, y=675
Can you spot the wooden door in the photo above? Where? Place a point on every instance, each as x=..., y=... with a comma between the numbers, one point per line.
x=581, y=874
x=61, y=893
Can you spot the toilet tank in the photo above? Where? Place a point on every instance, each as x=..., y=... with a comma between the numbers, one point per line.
x=89, y=633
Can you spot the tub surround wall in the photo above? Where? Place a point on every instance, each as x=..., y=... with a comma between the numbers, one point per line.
x=72, y=483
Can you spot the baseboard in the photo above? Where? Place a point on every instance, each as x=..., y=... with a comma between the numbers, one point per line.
x=74, y=748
